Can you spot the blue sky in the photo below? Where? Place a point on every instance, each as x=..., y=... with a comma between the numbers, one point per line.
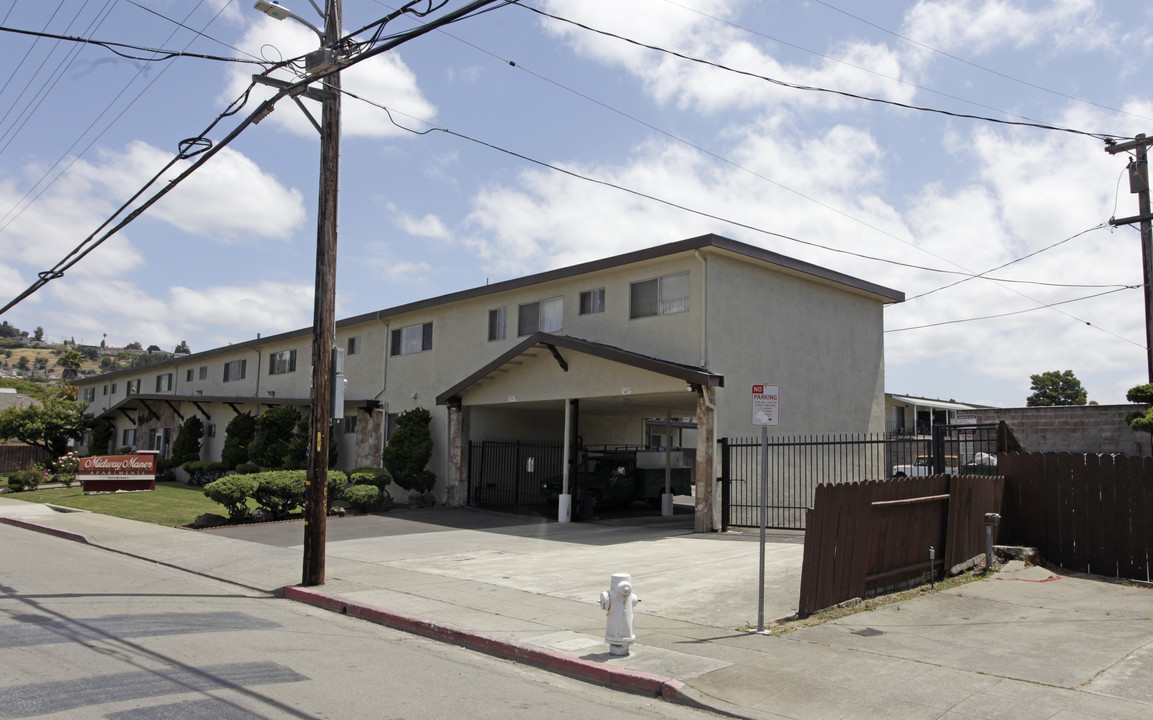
x=230, y=253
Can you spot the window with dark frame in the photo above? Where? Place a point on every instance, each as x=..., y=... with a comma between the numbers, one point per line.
x=412, y=339
x=235, y=370
x=496, y=323
x=592, y=301
x=282, y=362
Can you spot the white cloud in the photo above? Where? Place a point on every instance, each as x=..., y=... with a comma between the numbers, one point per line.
x=979, y=26
x=266, y=307
x=429, y=226
x=383, y=79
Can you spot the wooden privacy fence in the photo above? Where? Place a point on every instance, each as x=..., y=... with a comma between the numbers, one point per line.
x=18, y=457
x=1084, y=512
x=862, y=536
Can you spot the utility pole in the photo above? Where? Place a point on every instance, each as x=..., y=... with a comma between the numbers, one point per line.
x=1139, y=185
x=324, y=312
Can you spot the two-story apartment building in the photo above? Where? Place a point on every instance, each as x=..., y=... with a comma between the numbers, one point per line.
x=601, y=348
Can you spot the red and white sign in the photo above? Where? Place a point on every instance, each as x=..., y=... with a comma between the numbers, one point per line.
x=766, y=405
x=110, y=473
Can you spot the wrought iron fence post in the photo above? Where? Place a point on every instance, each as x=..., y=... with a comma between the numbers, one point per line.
x=726, y=497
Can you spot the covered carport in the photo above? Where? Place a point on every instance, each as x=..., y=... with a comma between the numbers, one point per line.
x=562, y=387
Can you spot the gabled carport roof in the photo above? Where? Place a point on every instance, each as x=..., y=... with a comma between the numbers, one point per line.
x=687, y=373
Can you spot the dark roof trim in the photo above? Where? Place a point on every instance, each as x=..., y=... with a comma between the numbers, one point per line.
x=143, y=398
x=887, y=295
x=688, y=373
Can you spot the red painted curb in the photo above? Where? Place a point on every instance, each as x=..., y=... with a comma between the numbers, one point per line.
x=635, y=681
x=66, y=534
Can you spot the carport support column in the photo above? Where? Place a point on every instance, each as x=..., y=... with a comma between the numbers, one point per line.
x=704, y=477
x=457, y=480
x=564, y=503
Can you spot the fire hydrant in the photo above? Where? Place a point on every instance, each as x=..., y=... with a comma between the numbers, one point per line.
x=618, y=602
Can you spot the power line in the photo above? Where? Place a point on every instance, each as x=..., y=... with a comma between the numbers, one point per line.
x=1022, y=312
x=980, y=67
x=813, y=88
x=113, y=47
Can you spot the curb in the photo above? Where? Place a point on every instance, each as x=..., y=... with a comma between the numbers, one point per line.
x=37, y=527
x=634, y=681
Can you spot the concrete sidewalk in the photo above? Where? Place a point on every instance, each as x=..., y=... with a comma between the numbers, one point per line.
x=1023, y=644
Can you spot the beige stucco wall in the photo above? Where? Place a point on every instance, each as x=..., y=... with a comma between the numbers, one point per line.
x=821, y=343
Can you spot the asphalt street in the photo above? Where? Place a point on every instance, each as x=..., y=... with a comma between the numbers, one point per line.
x=88, y=633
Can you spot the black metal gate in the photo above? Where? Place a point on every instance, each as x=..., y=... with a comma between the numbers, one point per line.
x=796, y=465
x=507, y=474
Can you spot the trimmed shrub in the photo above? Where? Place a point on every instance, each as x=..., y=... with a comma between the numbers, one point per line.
x=202, y=473
x=279, y=491
x=378, y=477
x=362, y=498
x=274, y=429
x=232, y=492
x=238, y=436
x=186, y=448
x=337, y=482
x=408, y=451
x=246, y=468
x=102, y=435
x=29, y=479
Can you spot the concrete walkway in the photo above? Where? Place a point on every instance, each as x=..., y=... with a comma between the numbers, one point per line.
x=1024, y=644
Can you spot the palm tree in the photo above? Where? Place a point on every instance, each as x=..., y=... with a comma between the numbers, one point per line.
x=71, y=361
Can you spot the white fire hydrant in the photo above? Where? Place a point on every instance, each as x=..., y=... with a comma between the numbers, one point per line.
x=618, y=602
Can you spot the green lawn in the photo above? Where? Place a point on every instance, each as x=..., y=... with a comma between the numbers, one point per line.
x=170, y=504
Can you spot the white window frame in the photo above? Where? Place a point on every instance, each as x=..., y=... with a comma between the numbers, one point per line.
x=549, y=316
x=665, y=301
x=282, y=363
x=595, y=301
x=235, y=370
x=164, y=382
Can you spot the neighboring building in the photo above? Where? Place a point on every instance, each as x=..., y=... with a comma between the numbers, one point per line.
x=10, y=398
x=682, y=330
x=911, y=415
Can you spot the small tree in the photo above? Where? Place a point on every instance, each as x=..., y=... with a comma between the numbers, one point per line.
x=38, y=334
x=408, y=451
x=186, y=448
x=1141, y=421
x=296, y=455
x=1056, y=388
x=48, y=426
x=274, y=431
x=182, y=348
x=238, y=436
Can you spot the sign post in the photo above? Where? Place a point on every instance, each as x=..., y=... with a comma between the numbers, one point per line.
x=766, y=414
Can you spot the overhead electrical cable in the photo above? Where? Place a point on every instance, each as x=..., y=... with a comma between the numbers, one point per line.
x=846, y=63
x=813, y=88
x=571, y=173
x=18, y=208
x=1022, y=312
x=970, y=63
x=114, y=47
x=203, y=149
x=201, y=33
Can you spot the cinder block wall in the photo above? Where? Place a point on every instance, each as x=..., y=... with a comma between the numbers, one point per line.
x=1083, y=428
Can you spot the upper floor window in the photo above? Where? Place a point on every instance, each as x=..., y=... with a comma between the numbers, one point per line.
x=282, y=362
x=353, y=345
x=411, y=339
x=541, y=316
x=496, y=322
x=203, y=372
x=592, y=301
x=89, y=394
x=105, y=390
x=164, y=382
x=133, y=387
x=189, y=375
x=235, y=370
x=113, y=391
x=660, y=296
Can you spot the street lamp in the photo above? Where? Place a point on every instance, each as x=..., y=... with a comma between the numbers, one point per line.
x=278, y=12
